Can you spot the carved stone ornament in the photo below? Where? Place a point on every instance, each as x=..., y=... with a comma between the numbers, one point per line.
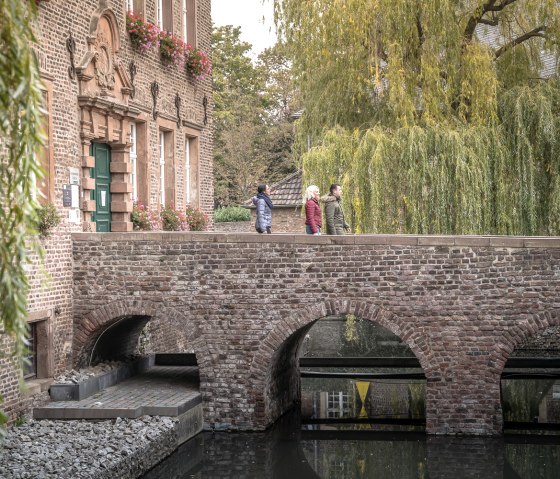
x=103, y=62
x=100, y=73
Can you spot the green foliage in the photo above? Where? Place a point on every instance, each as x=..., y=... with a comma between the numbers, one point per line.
x=21, y=420
x=173, y=220
x=47, y=219
x=144, y=219
x=253, y=102
x=20, y=120
x=196, y=218
x=495, y=179
x=429, y=129
x=231, y=213
x=350, y=334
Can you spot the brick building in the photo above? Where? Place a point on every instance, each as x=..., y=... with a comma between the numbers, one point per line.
x=121, y=126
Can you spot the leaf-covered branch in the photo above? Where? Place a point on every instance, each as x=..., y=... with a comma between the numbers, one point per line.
x=477, y=16
x=20, y=137
x=536, y=32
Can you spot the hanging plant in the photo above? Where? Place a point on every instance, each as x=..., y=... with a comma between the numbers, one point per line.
x=171, y=49
x=142, y=34
x=47, y=219
x=197, y=63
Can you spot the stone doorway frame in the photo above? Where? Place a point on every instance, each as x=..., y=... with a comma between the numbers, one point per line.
x=105, y=116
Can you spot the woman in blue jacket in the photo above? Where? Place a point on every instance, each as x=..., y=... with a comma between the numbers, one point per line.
x=264, y=209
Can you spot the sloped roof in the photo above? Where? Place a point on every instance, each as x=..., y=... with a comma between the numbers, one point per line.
x=285, y=193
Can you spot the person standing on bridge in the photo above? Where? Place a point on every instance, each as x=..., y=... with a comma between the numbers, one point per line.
x=264, y=209
x=313, y=216
x=334, y=215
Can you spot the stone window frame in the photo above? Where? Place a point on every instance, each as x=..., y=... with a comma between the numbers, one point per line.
x=142, y=161
x=137, y=7
x=167, y=128
x=192, y=175
x=133, y=154
x=42, y=320
x=46, y=187
x=164, y=15
x=189, y=21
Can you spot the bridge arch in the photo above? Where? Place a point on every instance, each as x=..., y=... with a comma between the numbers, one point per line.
x=172, y=331
x=273, y=378
x=517, y=334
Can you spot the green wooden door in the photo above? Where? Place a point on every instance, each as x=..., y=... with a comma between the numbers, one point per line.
x=102, y=194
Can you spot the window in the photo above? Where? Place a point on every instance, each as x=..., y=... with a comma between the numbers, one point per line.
x=188, y=170
x=337, y=404
x=188, y=21
x=134, y=162
x=191, y=190
x=164, y=13
x=167, y=159
x=39, y=362
x=45, y=188
x=135, y=6
x=162, y=168
x=30, y=359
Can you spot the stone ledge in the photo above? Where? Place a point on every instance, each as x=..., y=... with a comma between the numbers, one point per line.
x=387, y=240
x=84, y=389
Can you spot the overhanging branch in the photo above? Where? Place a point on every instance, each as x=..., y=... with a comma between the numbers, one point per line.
x=476, y=18
x=536, y=32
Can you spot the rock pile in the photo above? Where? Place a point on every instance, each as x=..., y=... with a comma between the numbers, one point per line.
x=76, y=376
x=123, y=448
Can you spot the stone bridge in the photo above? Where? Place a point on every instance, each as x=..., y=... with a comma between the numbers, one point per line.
x=243, y=303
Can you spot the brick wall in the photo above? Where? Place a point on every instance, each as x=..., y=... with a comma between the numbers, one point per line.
x=244, y=303
x=235, y=227
x=71, y=132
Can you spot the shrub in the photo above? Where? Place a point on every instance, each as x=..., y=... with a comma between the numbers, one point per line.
x=196, y=218
x=173, y=220
x=144, y=219
x=47, y=219
x=197, y=63
x=231, y=213
x=171, y=49
x=142, y=34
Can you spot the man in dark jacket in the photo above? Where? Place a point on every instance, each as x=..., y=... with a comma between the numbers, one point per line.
x=334, y=214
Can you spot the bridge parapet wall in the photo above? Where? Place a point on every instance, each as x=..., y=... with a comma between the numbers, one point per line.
x=243, y=303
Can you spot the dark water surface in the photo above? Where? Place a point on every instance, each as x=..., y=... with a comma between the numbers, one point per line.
x=288, y=451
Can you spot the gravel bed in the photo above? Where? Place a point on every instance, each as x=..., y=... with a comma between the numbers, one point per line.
x=76, y=376
x=116, y=448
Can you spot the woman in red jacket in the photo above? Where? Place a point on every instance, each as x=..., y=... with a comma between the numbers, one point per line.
x=313, y=215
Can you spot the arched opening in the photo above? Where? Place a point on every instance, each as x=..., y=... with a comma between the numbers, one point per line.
x=530, y=384
x=119, y=341
x=356, y=374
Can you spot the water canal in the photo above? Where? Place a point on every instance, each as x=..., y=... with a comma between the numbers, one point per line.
x=368, y=421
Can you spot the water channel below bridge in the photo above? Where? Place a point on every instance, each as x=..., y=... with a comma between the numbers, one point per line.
x=291, y=451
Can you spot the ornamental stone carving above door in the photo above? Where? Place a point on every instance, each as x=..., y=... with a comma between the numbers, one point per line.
x=100, y=73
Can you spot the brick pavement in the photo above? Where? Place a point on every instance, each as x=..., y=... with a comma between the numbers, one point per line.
x=161, y=391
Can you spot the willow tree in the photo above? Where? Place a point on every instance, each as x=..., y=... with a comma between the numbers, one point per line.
x=20, y=101
x=442, y=119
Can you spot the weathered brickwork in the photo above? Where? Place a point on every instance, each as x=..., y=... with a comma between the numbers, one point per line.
x=244, y=303
x=83, y=109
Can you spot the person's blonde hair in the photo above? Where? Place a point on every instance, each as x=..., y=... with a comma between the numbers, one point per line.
x=309, y=192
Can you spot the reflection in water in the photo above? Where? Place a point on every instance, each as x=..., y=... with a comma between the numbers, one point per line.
x=285, y=451
x=531, y=400
x=399, y=401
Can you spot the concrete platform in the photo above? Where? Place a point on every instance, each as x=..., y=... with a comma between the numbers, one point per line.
x=160, y=391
